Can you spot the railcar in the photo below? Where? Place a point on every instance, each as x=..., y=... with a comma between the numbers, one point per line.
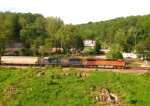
x=47, y=61
x=107, y=63
x=75, y=62
x=64, y=62
x=20, y=60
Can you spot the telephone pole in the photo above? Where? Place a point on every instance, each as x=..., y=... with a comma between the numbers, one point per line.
x=145, y=61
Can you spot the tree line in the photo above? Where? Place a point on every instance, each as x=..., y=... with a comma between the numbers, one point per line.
x=34, y=30
x=130, y=34
x=123, y=34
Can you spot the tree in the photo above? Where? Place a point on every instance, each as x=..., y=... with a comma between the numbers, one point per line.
x=114, y=52
x=52, y=26
x=70, y=38
x=147, y=45
x=6, y=32
x=133, y=32
x=49, y=44
x=97, y=47
x=36, y=45
x=140, y=47
x=30, y=32
x=121, y=39
x=87, y=34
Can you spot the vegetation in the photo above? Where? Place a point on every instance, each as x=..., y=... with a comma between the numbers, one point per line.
x=54, y=86
x=33, y=31
x=97, y=47
x=39, y=34
x=131, y=33
x=73, y=87
x=133, y=64
x=114, y=52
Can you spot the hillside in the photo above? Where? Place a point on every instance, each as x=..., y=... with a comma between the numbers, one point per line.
x=34, y=31
x=53, y=86
x=130, y=33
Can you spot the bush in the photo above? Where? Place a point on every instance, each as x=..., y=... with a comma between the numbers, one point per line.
x=112, y=54
x=25, y=52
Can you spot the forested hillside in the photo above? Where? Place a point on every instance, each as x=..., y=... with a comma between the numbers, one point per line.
x=130, y=33
x=34, y=30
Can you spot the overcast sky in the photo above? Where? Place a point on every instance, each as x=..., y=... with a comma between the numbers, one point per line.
x=79, y=11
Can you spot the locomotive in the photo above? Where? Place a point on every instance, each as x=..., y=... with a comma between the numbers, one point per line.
x=64, y=62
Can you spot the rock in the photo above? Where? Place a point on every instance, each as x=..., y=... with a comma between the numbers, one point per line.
x=67, y=73
x=84, y=74
x=78, y=74
x=38, y=74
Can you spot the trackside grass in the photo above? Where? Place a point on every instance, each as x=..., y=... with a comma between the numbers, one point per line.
x=56, y=87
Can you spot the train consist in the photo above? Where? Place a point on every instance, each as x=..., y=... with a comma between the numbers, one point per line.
x=64, y=62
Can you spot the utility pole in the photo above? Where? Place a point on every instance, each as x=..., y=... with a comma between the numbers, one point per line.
x=145, y=61
x=141, y=57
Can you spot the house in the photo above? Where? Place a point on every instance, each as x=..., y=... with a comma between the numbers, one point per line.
x=13, y=49
x=90, y=43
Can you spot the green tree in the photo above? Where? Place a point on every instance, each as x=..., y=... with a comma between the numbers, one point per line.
x=121, y=39
x=147, y=45
x=30, y=32
x=52, y=26
x=6, y=32
x=133, y=32
x=49, y=45
x=70, y=38
x=97, y=47
x=87, y=34
x=37, y=45
x=114, y=52
x=140, y=47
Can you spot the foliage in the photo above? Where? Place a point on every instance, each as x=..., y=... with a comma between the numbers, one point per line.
x=6, y=30
x=25, y=52
x=87, y=48
x=131, y=33
x=120, y=38
x=128, y=32
x=97, y=47
x=133, y=64
x=60, y=87
x=114, y=52
x=52, y=26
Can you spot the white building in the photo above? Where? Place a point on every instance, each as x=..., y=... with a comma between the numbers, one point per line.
x=89, y=43
x=104, y=51
x=129, y=55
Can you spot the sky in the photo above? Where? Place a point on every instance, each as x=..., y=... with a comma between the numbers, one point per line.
x=79, y=11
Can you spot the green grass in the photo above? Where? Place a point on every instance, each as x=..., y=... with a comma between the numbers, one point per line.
x=133, y=64
x=87, y=48
x=23, y=87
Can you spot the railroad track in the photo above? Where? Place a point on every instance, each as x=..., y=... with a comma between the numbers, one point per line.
x=139, y=70
x=128, y=67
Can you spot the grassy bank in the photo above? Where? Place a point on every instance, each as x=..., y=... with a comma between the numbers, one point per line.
x=73, y=87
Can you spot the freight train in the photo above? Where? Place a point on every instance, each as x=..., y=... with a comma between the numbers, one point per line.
x=64, y=62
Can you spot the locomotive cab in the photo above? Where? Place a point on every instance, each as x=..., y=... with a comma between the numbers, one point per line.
x=47, y=60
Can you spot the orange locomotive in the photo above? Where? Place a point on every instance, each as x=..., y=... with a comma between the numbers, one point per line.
x=107, y=63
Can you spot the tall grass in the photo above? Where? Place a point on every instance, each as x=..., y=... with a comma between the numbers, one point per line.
x=22, y=87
